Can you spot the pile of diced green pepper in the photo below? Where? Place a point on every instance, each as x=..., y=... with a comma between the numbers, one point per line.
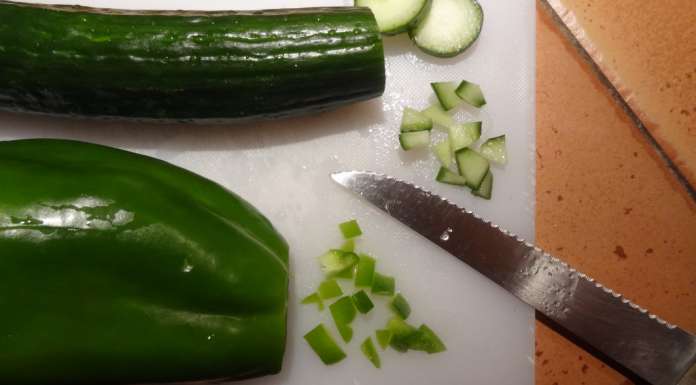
x=344, y=263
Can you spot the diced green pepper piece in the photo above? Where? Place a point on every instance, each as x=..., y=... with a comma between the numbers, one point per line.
x=345, y=331
x=384, y=336
x=329, y=289
x=346, y=274
x=348, y=246
x=368, y=349
x=362, y=302
x=400, y=306
x=426, y=340
x=350, y=229
x=336, y=261
x=365, y=271
x=402, y=333
x=343, y=311
x=314, y=298
x=383, y=284
x=324, y=346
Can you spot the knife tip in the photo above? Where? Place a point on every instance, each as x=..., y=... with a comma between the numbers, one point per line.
x=342, y=177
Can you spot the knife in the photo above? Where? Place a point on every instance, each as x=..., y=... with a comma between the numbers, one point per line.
x=622, y=333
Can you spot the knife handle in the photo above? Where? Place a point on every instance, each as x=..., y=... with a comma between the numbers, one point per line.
x=690, y=377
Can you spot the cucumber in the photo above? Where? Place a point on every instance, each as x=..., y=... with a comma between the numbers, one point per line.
x=395, y=16
x=414, y=139
x=445, y=175
x=449, y=27
x=485, y=190
x=472, y=166
x=439, y=116
x=445, y=92
x=463, y=135
x=494, y=149
x=471, y=94
x=413, y=120
x=182, y=65
x=443, y=152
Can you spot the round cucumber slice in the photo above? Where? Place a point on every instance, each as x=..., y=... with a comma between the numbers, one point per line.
x=395, y=16
x=449, y=27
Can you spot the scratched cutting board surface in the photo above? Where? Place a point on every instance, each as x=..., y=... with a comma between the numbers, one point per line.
x=283, y=167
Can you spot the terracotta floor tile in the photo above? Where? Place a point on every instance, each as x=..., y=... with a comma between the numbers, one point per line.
x=647, y=48
x=605, y=203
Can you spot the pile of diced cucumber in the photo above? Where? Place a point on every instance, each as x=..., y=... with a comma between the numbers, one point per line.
x=473, y=167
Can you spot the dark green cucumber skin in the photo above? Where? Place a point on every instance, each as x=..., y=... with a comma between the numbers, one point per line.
x=189, y=66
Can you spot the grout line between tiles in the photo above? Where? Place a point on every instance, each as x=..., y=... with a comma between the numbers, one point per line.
x=671, y=166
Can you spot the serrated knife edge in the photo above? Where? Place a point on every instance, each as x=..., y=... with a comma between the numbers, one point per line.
x=635, y=354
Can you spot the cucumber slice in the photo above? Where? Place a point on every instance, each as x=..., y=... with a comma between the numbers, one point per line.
x=472, y=166
x=395, y=16
x=413, y=120
x=463, y=135
x=449, y=177
x=443, y=152
x=448, y=28
x=414, y=139
x=445, y=92
x=439, y=115
x=486, y=187
x=494, y=150
x=471, y=94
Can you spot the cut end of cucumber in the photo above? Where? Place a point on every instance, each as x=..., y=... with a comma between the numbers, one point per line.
x=449, y=27
x=472, y=166
x=414, y=139
x=413, y=120
x=445, y=92
x=494, y=149
x=471, y=94
x=395, y=16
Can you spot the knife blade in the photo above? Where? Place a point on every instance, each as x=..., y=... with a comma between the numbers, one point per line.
x=641, y=343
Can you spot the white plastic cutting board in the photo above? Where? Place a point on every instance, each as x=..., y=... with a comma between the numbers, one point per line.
x=283, y=167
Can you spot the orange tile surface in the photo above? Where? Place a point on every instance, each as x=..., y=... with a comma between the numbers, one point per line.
x=606, y=203
x=647, y=48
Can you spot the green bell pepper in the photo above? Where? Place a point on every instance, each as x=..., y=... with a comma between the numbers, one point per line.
x=117, y=268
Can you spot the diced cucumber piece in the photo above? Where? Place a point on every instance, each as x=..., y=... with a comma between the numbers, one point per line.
x=368, y=349
x=443, y=152
x=463, y=135
x=400, y=306
x=314, y=298
x=384, y=336
x=494, y=149
x=472, y=166
x=448, y=28
x=471, y=94
x=362, y=302
x=350, y=229
x=445, y=94
x=413, y=120
x=439, y=116
x=402, y=332
x=365, y=271
x=449, y=177
x=382, y=284
x=486, y=188
x=395, y=16
x=337, y=261
x=425, y=340
x=324, y=346
x=414, y=139
x=329, y=289
x=348, y=246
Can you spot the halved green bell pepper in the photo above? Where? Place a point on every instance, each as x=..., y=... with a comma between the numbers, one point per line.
x=117, y=268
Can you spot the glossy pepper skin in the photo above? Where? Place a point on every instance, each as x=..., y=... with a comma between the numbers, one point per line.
x=117, y=268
